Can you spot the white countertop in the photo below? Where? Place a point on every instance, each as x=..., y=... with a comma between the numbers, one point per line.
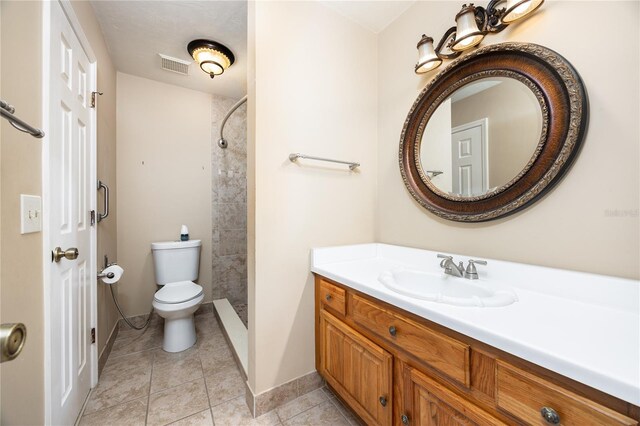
x=582, y=326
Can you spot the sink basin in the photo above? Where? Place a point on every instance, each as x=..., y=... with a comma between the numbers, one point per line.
x=446, y=289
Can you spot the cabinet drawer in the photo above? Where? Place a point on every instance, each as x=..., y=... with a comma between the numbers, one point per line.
x=333, y=296
x=524, y=395
x=441, y=352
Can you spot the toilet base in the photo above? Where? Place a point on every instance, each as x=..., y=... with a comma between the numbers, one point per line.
x=179, y=334
x=179, y=325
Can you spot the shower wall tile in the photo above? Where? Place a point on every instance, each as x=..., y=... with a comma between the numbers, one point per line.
x=229, y=203
x=232, y=216
x=230, y=269
x=229, y=189
x=234, y=291
x=233, y=241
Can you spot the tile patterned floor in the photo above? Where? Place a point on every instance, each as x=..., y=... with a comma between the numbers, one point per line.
x=143, y=385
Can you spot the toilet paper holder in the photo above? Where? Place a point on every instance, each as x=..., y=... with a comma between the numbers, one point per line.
x=107, y=275
x=106, y=265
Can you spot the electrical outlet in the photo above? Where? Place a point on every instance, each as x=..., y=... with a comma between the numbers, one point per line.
x=30, y=214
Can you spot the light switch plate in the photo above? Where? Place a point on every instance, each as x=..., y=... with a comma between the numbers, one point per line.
x=30, y=214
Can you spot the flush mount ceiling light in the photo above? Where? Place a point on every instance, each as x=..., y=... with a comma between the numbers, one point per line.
x=212, y=56
x=473, y=23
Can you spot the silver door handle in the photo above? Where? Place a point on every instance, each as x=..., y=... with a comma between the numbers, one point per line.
x=12, y=338
x=101, y=185
x=57, y=254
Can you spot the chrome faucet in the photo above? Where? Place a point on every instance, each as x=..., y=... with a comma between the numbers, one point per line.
x=450, y=266
x=471, y=273
x=459, y=270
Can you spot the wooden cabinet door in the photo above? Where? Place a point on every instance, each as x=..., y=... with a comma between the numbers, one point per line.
x=432, y=404
x=357, y=369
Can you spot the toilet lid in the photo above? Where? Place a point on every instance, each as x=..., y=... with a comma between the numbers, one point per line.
x=178, y=292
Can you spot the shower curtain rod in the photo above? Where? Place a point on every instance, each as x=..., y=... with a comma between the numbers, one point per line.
x=222, y=142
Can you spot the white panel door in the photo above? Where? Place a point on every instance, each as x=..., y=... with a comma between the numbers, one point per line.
x=467, y=158
x=70, y=186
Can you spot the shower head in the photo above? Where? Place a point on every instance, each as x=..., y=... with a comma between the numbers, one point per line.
x=222, y=143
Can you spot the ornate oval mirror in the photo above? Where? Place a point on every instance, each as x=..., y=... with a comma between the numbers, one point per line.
x=493, y=131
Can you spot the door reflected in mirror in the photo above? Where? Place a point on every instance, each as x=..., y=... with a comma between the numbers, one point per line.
x=482, y=137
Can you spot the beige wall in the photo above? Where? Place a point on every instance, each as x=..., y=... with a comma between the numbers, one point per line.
x=21, y=294
x=572, y=227
x=164, y=180
x=319, y=98
x=435, y=147
x=106, y=159
x=514, y=121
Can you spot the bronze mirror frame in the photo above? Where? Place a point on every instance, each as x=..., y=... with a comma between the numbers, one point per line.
x=564, y=104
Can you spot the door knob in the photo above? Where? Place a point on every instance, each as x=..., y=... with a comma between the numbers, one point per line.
x=57, y=254
x=12, y=338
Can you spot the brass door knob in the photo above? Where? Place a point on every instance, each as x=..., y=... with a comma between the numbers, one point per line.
x=12, y=338
x=57, y=254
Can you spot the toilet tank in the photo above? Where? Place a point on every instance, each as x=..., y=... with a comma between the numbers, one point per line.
x=176, y=260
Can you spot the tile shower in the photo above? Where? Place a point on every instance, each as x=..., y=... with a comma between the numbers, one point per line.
x=229, y=206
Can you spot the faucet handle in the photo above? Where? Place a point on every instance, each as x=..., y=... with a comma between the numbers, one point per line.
x=471, y=272
x=444, y=258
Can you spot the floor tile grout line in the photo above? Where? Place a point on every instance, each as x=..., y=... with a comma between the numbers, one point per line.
x=110, y=406
x=146, y=417
x=205, y=385
x=338, y=405
x=206, y=388
x=189, y=415
x=175, y=386
x=301, y=412
x=85, y=414
x=131, y=353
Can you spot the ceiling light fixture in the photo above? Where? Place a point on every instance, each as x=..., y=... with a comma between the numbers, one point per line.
x=214, y=58
x=473, y=23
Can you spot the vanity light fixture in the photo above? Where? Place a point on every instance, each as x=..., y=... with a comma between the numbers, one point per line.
x=214, y=58
x=473, y=23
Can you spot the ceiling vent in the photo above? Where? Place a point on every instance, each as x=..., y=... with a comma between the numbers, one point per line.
x=174, y=64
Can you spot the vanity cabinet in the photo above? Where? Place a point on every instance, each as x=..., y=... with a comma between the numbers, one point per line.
x=356, y=368
x=431, y=403
x=395, y=368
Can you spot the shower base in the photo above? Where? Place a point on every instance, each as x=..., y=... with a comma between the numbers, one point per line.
x=241, y=310
x=235, y=330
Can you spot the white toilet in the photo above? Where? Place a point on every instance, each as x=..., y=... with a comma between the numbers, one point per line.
x=176, y=266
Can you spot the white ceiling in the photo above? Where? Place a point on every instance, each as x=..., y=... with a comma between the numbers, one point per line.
x=137, y=31
x=373, y=15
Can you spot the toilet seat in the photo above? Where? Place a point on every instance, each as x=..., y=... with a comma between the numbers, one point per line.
x=178, y=292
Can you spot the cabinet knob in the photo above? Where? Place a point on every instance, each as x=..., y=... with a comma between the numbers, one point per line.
x=392, y=331
x=383, y=401
x=405, y=419
x=328, y=297
x=550, y=415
